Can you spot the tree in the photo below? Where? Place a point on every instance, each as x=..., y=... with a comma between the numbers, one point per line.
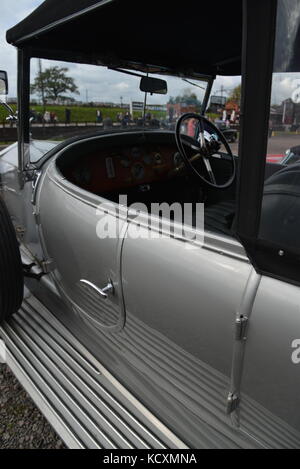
x=52, y=83
x=235, y=95
x=187, y=97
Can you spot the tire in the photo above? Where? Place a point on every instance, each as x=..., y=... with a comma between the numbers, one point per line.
x=11, y=270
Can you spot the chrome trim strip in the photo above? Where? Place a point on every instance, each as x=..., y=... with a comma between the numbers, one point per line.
x=78, y=355
x=225, y=246
x=109, y=396
x=244, y=313
x=26, y=344
x=51, y=350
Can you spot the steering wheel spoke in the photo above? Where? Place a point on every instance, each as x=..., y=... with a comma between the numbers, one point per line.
x=210, y=171
x=202, y=140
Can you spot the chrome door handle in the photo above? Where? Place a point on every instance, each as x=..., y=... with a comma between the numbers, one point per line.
x=103, y=292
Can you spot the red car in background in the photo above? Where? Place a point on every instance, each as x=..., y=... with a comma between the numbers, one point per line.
x=276, y=158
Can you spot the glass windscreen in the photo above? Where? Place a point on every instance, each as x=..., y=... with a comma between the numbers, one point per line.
x=280, y=219
x=70, y=100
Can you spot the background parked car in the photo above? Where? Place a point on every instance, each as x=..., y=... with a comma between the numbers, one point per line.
x=292, y=155
x=230, y=134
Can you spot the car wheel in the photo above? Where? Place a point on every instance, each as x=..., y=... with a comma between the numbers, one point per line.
x=11, y=270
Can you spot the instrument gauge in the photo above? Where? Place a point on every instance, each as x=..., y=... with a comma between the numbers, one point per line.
x=138, y=171
x=178, y=160
x=158, y=158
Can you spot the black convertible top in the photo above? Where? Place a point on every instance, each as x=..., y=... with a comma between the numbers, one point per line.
x=194, y=35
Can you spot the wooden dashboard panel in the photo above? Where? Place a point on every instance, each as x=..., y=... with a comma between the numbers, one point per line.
x=119, y=168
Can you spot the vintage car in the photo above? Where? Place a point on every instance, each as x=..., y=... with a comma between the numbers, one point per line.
x=126, y=330
x=231, y=135
x=292, y=156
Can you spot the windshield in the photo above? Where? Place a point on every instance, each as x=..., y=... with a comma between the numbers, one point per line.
x=69, y=100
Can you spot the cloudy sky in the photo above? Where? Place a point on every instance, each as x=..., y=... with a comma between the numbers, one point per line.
x=12, y=11
x=99, y=84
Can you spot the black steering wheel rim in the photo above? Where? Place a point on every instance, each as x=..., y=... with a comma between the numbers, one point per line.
x=188, y=163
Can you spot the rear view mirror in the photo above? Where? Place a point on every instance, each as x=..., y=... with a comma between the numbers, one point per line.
x=3, y=83
x=153, y=85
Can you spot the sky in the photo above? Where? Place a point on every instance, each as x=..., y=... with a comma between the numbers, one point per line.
x=99, y=84
x=12, y=11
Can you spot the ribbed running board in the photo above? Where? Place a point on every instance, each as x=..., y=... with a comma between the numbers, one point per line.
x=84, y=403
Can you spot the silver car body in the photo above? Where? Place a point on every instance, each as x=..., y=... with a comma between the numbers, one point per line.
x=171, y=333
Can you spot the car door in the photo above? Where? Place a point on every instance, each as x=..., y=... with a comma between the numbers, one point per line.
x=74, y=229
x=181, y=301
x=167, y=330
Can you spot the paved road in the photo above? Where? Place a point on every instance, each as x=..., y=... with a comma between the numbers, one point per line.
x=276, y=145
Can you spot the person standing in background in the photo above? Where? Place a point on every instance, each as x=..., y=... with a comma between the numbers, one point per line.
x=47, y=117
x=99, y=116
x=68, y=115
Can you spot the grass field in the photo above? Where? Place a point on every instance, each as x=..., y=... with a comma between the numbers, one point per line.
x=82, y=113
x=4, y=114
x=88, y=113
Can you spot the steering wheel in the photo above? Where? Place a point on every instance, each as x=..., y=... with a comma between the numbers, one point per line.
x=207, y=145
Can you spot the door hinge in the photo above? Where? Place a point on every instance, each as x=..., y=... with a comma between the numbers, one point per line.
x=233, y=402
x=241, y=328
x=37, y=218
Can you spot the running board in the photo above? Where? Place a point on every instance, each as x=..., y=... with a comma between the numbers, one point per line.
x=85, y=404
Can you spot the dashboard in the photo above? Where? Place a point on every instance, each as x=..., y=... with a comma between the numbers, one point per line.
x=122, y=167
